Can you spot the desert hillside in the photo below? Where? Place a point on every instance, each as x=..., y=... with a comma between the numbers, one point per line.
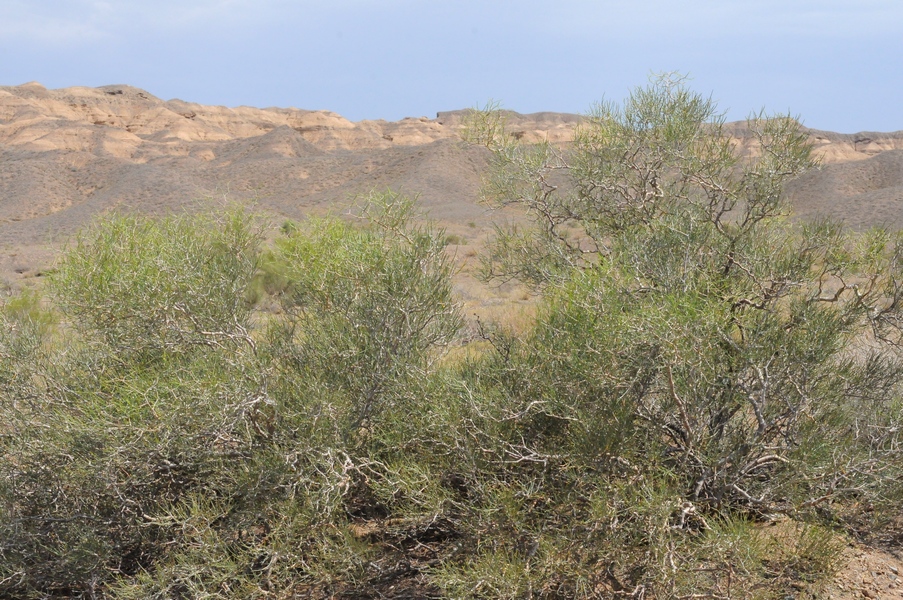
x=536, y=450
x=69, y=154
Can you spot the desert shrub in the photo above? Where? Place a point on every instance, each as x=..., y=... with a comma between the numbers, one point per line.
x=25, y=327
x=163, y=442
x=742, y=346
x=146, y=393
x=368, y=307
x=192, y=415
x=97, y=457
x=692, y=340
x=143, y=285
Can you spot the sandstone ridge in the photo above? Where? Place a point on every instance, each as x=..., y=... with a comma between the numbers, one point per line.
x=130, y=123
x=69, y=154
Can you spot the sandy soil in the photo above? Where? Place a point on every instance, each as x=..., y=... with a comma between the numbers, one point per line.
x=68, y=155
x=868, y=573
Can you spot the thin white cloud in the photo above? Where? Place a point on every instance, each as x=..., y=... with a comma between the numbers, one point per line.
x=69, y=22
x=46, y=22
x=65, y=22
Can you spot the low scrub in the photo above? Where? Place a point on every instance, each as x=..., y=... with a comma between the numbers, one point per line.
x=709, y=397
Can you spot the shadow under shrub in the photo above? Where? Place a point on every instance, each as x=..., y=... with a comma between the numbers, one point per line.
x=98, y=438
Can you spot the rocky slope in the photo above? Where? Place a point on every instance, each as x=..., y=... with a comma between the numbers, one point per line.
x=69, y=154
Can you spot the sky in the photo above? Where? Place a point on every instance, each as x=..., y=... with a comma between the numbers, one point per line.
x=835, y=64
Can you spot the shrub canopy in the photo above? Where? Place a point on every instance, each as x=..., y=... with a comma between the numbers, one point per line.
x=190, y=413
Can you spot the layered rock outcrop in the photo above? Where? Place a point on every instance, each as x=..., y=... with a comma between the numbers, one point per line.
x=68, y=154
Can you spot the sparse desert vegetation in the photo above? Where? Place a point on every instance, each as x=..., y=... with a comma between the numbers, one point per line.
x=704, y=401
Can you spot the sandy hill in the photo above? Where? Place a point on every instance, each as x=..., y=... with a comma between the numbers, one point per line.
x=69, y=154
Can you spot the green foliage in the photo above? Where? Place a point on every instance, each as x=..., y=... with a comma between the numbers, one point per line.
x=691, y=340
x=698, y=324
x=144, y=285
x=24, y=329
x=161, y=443
x=368, y=306
x=190, y=415
x=484, y=126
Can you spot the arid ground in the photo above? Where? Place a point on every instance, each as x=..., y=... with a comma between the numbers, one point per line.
x=71, y=154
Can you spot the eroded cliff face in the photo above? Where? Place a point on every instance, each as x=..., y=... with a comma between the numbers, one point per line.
x=67, y=155
x=82, y=150
x=130, y=123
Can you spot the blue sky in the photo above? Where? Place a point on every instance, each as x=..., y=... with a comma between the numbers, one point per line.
x=836, y=64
